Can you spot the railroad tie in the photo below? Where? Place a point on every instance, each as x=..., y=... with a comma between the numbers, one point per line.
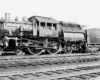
x=77, y=78
x=17, y=77
x=23, y=65
x=5, y=78
x=4, y=66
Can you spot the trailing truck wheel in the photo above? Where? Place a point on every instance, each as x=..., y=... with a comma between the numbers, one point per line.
x=68, y=49
x=35, y=51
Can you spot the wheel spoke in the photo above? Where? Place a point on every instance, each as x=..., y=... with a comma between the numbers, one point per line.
x=55, y=48
x=33, y=50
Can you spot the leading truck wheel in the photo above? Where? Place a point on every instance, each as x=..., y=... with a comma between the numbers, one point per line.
x=19, y=52
x=68, y=49
x=35, y=51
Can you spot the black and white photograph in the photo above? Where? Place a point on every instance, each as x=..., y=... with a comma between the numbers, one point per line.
x=49, y=39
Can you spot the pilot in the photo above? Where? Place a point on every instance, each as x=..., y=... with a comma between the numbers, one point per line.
x=5, y=41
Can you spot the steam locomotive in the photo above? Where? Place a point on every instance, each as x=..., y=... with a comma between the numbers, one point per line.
x=38, y=35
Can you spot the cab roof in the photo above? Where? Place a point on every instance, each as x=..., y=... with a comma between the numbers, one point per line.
x=43, y=19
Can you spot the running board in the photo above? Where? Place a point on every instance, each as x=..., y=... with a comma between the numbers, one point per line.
x=11, y=52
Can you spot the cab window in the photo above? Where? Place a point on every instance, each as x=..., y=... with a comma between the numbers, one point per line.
x=42, y=24
x=55, y=26
x=49, y=25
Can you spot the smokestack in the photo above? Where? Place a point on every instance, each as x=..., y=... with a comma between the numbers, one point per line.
x=7, y=16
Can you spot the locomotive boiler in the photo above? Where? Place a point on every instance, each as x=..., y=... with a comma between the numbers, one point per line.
x=9, y=32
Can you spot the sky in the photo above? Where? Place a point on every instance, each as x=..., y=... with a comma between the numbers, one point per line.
x=84, y=12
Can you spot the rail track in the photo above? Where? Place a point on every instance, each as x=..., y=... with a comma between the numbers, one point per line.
x=37, y=68
x=82, y=73
x=14, y=64
x=48, y=60
x=46, y=56
x=65, y=57
x=23, y=68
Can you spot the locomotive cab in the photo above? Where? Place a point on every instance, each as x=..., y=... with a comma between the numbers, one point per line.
x=44, y=27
